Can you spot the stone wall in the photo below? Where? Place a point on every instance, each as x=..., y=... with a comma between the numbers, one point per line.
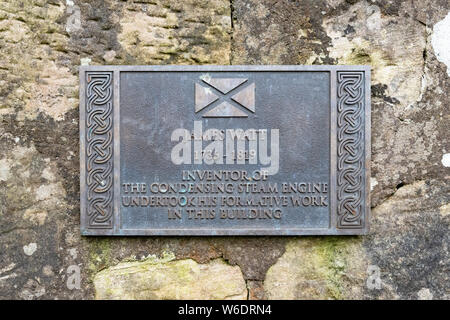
x=42, y=43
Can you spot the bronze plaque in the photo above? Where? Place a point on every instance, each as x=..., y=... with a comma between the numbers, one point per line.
x=225, y=150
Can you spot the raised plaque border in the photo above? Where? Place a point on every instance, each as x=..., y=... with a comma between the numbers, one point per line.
x=349, y=150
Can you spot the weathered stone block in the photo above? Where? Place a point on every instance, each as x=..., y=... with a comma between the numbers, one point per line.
x=170, y=279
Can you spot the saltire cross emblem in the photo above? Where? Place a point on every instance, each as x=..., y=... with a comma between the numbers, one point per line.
x=226, y=90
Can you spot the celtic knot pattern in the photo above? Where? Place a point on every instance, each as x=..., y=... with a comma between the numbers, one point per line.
x=350, y=149
x=99, y=149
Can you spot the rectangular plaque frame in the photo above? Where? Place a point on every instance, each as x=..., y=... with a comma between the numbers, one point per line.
x=349, y=150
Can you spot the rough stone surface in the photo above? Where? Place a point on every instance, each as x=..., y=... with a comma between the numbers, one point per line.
x=42, y=43
x=410, y=241
x=166, y=278
x=440, y=41
x=330, y=268
x=178, y=32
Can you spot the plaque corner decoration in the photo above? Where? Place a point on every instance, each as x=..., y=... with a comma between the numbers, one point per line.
x=97, y=176
x=353, y=150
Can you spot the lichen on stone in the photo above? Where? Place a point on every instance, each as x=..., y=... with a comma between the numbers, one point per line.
x=165, y=278
x=315, y=268
x=176, y=32
x=392, y=47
